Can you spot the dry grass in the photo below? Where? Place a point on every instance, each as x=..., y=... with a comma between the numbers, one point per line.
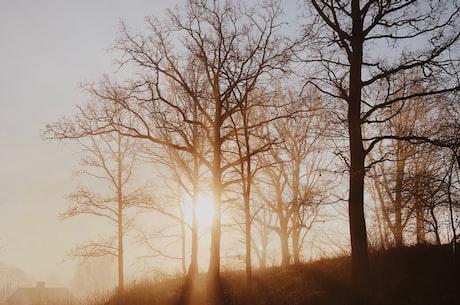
x=416, y=275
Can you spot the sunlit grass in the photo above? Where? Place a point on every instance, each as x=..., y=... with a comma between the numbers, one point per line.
x=96, y=297
x=415, y=275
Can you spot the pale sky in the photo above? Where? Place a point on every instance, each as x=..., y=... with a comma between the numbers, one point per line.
x=47, y=48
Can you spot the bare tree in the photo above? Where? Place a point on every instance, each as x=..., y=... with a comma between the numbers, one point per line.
x=271, y=189
x=290, y=175
x=110, y=160
x=231, y=48
x=360, y=48
x=389, y=174
x=451, y=194
x=451, y=129
x=303, y=146
x=263, y=222
x=187, y=173
x=252, y=138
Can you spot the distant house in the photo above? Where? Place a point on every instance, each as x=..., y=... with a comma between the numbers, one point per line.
x=40, y=295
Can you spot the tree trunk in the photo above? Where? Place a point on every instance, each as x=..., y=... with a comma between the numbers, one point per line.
x=189, y=293
x=296, y=226
x=120, y=253
x=358, y=234
x=420, y=224
x=419, y=214
x=215, y=292
x=120, y=217
x=451, y=210
x=247, y=182
x=263, y=256
x=193, y=268
x=284, y=240
x=247, y=215
x=398, y=203
x=296, y=244
x=214, y=282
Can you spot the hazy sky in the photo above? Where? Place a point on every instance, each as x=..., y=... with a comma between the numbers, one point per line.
x=47, y=48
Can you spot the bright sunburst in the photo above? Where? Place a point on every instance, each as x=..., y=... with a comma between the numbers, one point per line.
x=204, y=211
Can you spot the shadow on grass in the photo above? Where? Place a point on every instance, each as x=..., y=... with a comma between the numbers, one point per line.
x=414, y=275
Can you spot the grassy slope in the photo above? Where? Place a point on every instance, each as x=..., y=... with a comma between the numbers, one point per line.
x=415, y=275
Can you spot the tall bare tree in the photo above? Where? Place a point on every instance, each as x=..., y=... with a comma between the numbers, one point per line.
x=360, y=47
x=187, y=172
x=251, y=125
x=389, y=174
x=271, y=190
x=303, y=148
x=232, y=48
x=290, y=174
x=263, y=222
x=110, y=160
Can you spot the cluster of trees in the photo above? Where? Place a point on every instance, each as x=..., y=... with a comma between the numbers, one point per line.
x=412, y=186
x=10, y=278
x=270, y=121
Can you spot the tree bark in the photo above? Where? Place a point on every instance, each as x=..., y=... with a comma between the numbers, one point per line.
x=215, y=291
x=247, y=216
x=296, y=245
x=189, y=292
x=358, y=234
x=284, y=240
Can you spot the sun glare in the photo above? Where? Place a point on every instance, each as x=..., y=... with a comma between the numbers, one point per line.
x=204, y=211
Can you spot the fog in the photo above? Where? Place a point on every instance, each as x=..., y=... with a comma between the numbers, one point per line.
x=48, y=48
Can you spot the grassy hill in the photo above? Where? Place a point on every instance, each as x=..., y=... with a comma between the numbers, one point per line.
x=412, y=275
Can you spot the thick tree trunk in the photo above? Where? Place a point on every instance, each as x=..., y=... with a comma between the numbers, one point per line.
x=284, y=240
x=183, y=247
x=398, y=228
x=358, y=234
x=190, y=291
x=296, y=226
x=420, y=224
x=214, y=282
x=193, y=268
x=296, y=244
x=419, y=216
x=263, y=257
x=451, y=212
x=262, y=252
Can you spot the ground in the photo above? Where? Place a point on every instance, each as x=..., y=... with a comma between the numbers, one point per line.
x=411, y=275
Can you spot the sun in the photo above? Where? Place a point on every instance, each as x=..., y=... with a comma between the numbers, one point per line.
x=204, y=211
